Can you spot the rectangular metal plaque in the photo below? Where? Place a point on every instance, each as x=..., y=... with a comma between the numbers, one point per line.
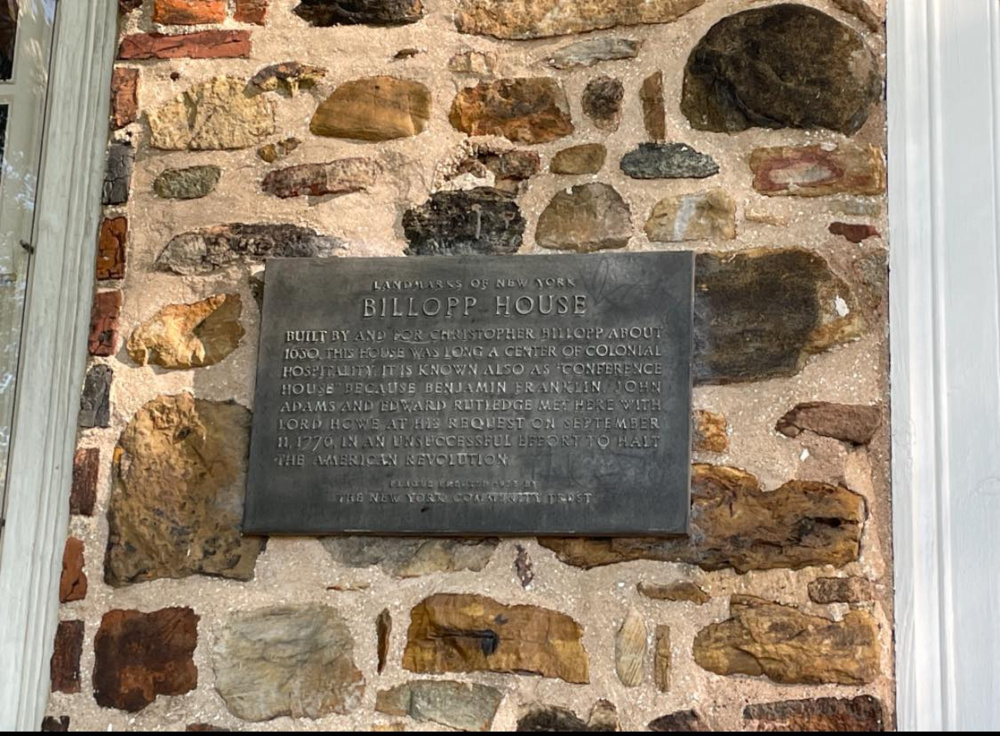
x=526, y=395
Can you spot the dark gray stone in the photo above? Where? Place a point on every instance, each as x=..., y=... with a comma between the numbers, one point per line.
x=211, y=248
x=360, y=12
x=95, y=404
x=668, y=161
x=118, y=175
x=593, y=51
x=782, y=66
x=480, y=221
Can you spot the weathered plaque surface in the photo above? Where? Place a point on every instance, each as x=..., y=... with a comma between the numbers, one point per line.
x=472, y=396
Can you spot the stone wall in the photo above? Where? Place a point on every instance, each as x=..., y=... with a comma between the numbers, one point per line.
x=244, y=129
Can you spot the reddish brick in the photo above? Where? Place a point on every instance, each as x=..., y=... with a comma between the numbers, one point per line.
x=73, y=583
x=189, y=12
x=66, y=657
x=142, y=655
x=854, y=233
x=111, y=248
x=104, y=323
x=86, y=465
x=201, y=45
x=124, y=96
x=251, y=11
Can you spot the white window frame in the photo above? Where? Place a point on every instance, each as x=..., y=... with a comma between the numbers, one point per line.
x=57, y=311
x=944, y=199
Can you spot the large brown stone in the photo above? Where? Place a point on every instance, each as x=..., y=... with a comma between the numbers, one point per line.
x=464, y=706
x=374, y=109
x=586, y=218
x=841, y=715
x=66, y=652
x=177, y=504
x=189, y=335
x=525, y=110
x=602, y=102
x=781, y=66
x=200, y=45
x=760, y=314
x=471, y=633
x=343, y=176
x=411, y=557
x=295, y=661
x=734, y=524
x=818, y=171
x=846, y=422
x=779, y=642
x=584, y=159
x=142, y=655
x=73, y=580
x=526, y=19
x=218, y=114
x=541, y=718
x=654, y=112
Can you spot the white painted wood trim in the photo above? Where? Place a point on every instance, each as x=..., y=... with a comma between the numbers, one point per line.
x=53, y=357
x=944, y=191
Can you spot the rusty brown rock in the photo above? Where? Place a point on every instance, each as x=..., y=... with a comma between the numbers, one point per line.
x=675, y=592
x=760, y=314
x=524, y=110
x=104, y=314
x=840, y=590
x=124, y=96
x=179, y=484
x=189, y=335
x=383, y=631
x=840, y=715
x=527, y=19
x=814, y=171
x=654, y=112
x=735, y=524
x=188, y=12
x=630, y=649
x=541, y=718
x=251, y=11
x=142, y=655
x=278, y=150
x=855, y=233
x=374, y=109
x=661, y=659
x=779, y=642
x=86, y=467
x=65, y=666
x=856, y=424
x=343, y=176
x=710, y=432
x=471, y=633
x=73, y=581
x=685, y=720
x=200, y=45
x=111, y=248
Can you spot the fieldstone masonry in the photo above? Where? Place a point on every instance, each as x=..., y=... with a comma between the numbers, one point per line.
x=242, y=130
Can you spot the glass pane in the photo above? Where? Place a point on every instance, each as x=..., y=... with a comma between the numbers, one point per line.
x=8, y=32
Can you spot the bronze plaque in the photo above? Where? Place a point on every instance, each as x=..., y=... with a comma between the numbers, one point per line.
x=526, y=395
